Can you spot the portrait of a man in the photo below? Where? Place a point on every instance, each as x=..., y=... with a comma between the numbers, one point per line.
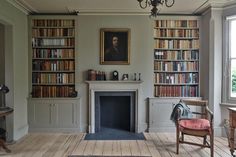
x=115, y=46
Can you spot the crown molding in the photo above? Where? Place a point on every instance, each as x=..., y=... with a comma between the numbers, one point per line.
x=230, y=5
x=22, y=6
x=221, y=3
x=216, y=5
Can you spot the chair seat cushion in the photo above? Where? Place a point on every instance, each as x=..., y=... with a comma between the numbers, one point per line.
x=194, y=124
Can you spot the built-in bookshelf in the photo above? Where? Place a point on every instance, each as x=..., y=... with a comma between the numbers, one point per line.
x=176, y=58
x=53, y=58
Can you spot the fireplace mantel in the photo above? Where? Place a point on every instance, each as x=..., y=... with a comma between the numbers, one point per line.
x=113, y=86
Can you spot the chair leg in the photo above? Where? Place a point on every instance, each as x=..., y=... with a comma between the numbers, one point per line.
x=2, y=144
x=204, y=140
x=177, y=140
x=212, y=145
x=182, y=136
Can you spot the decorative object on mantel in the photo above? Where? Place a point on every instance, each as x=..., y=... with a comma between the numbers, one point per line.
x=155, y=3
x=115, y=75
x=94, y=75
x=139, y=76
x=125, y=77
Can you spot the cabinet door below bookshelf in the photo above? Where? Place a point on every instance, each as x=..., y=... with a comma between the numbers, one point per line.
x=54, y=114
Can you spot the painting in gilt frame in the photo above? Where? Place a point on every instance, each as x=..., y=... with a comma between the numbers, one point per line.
x=115, y=46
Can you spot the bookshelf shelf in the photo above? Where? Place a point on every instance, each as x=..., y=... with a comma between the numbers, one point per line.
x=176, y=84
x=176, y=58
x=179, y=38
x=49, y=27
x=53, y=57
x=51, y=37
x=58, y=71
x=180, y=60
x=52, y=47
x=178, y=28
x=51, y=84
x=176, y=49
x=158, y=71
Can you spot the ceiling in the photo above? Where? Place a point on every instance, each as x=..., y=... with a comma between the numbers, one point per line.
x=114, y=6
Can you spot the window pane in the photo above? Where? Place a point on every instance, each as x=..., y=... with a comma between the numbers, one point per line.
x=233, y=78
x=233, y=38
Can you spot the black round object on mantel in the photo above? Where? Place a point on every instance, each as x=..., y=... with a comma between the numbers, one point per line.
x=115, y=75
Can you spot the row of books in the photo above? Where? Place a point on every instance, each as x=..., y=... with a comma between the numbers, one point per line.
x=176, y=91
x=177, y=55
x=53, y=42
x=177, y=23
x=53, y=23
x=176, y=66
x=47, y=78
x=53, y=53
x=53, y=32
x=190, y=33
x=94, y=75
x=53, y=91
x=179, y=78
x=53, y=65
x=177, y=44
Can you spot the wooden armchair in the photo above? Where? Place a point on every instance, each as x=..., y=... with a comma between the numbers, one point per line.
x=201, y=126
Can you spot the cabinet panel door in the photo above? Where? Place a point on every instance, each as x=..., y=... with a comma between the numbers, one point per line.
x=66, y=115
x=43, y=114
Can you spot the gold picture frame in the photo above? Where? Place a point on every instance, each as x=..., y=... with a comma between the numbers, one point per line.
x=115, y=46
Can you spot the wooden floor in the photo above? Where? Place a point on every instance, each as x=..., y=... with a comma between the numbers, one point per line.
x=156, y=145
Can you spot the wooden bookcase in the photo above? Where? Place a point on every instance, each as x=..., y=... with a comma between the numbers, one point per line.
x=53, y=57
x=176, y=58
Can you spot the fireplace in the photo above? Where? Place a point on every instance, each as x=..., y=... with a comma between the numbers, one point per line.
x=127, y=92
x=115, y=110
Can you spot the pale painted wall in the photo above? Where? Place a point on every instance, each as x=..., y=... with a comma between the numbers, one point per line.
x=2, y=68
x=204, y=55
x=216, y=69
x=141, y=59
x=211, y=62
x=16, y=54
x=2, y=56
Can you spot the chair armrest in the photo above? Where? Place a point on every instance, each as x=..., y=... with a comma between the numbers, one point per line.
x=178, y=115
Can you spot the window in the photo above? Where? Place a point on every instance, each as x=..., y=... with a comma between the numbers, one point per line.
x=232, y=58
x=229, y=72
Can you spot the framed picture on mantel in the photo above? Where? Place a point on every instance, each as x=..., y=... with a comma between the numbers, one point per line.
x=115, y=46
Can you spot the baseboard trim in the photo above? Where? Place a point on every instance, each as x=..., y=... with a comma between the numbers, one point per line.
x=142, y=127
x=84, y=128
x=20, y=132
x=65, y=130
x=219, y=131
x=162, y=129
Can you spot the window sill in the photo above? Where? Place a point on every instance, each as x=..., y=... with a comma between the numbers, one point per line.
x=228, y=104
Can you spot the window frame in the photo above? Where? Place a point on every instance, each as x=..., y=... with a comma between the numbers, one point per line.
x=227, y=83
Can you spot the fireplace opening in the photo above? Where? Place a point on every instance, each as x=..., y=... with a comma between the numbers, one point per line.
x=114, y=110
x=115, y=114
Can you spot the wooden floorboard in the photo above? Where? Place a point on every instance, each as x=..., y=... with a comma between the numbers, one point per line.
x=155, y=145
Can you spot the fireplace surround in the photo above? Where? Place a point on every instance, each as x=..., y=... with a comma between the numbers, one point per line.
x=131, y=88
